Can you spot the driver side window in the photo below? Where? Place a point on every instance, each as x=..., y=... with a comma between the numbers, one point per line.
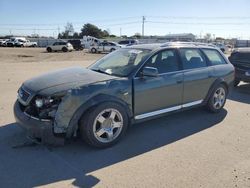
x=165, y=61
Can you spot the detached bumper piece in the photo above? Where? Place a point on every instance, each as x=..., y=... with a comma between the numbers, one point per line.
x=37, y=129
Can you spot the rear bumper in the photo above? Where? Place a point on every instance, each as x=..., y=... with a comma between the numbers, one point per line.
x=242, y=77
x=42, y=130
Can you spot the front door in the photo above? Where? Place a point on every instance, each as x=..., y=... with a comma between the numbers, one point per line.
x=157, y=95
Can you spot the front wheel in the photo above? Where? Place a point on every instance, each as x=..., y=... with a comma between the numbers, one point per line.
x=217, y=99
x=104, y=125
x=49, y=49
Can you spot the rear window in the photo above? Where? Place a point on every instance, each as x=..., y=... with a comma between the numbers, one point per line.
x=192, y=58
x=238, y=56
x=214, y=57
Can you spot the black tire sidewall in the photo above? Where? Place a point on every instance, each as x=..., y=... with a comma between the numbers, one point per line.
x=210, y=101
x=64, y=49
x=49, y=49
x=87, y=122
x=93, y=50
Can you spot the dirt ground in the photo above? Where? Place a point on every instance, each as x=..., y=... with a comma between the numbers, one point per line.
x=188, y=149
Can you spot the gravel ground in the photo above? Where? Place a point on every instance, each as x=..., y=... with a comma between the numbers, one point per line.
x=188, y=149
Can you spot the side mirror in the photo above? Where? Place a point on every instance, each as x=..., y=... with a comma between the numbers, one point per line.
x=150, y=71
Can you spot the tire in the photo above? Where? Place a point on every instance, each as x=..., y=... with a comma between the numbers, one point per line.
x=217, y=99
x=104, y=117
x=236, y=83
x=64, y=49
x=93, y=50
x=112, y=49
x=49, y=49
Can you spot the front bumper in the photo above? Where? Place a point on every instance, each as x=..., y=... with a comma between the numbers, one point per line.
x=35, y=128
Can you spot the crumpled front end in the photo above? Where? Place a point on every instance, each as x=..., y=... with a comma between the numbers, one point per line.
x=36, y=115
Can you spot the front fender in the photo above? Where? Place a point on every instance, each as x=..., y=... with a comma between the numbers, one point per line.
x=73, y=124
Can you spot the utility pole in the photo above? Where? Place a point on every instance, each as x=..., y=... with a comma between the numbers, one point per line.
x=143, y=21
x=58, y=29
x=120, y=31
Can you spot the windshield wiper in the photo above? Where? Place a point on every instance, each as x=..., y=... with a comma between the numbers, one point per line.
x=101, y=71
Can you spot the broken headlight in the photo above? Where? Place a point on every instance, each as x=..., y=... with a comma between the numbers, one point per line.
x=44, y=107
x=40, y=102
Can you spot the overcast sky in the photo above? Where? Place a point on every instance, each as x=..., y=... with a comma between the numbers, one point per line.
x=225, y=18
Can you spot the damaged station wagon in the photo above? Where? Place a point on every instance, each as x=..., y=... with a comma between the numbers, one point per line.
x=130, y=85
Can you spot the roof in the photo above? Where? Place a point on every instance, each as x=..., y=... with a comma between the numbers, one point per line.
x=155, y=46
x=145, y=46
x=242, y=50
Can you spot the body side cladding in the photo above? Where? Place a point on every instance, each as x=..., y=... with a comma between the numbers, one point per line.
x=213, y=86
x=101, y=98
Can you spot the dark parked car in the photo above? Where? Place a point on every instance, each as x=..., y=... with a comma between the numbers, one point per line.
x=130, y=85
x=240, y=58
x=77, y=45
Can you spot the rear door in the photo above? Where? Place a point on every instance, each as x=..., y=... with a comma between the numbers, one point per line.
x=197, y=76
x=156, y=95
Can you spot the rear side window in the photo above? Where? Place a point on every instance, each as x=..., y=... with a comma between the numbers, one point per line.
x=192, y=58
x=214, y=57
x=124, y=42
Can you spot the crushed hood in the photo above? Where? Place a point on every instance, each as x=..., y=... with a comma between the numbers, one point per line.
x=64, y=79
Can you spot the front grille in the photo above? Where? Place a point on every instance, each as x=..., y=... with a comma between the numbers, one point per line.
x=23, y=95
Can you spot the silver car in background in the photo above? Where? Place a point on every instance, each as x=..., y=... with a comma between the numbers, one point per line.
x=105, y=47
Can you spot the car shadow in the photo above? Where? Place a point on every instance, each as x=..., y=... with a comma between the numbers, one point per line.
x=41, y=165
x=240, y=93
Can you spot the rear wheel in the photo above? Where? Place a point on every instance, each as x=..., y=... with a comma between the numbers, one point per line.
x=49, y=49
x=217, y=99
x=104, y=125
x=64, y=49
x=93, y=50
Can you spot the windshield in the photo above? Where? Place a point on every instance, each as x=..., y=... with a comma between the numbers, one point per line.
x=121, y=62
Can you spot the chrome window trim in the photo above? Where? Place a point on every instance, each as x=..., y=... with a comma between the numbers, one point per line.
x=162, y=74
x=162, y=111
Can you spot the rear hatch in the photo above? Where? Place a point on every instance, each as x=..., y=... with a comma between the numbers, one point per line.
x=241, y=61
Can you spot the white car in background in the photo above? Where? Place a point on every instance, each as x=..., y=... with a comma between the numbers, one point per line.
x=105, y=47
x=25, y=43
x=3, y=42
x=60, y=46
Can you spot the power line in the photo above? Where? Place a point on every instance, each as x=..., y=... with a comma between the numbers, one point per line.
x=74, y=22
x=198, y=23
x=200, y=17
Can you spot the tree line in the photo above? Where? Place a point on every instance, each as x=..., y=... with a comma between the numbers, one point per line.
x=87, y=30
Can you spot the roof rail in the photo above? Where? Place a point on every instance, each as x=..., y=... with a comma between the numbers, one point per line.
x=187, y=43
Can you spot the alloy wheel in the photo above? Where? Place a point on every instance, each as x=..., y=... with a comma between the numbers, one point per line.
x=219, y=98
x=108, y=125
